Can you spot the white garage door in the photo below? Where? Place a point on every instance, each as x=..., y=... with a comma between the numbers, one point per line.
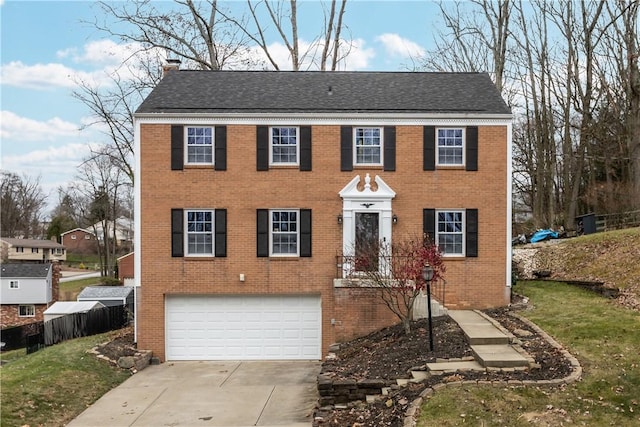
x=243, y=327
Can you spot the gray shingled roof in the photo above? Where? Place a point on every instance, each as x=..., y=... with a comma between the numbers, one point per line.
x=100, y=292
x=31, y=243
x=314, y=91
x=24, y=269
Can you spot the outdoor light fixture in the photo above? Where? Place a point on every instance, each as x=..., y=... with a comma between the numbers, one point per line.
x=427, y=275
x=394, y=218
x=339, y=218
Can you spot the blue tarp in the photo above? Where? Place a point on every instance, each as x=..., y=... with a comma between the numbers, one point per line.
x=541, y=235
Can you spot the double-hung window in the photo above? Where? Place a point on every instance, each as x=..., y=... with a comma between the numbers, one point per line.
x=284, y=232
x=450, y=146
x=199, y=145
x=14, y=284
x=284, y=145
x=199, y=235
x=26, y=311
x=450, y=232
x=368, y=145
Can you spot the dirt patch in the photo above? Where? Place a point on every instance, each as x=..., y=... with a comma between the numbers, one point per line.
x=121, y=345
x=390, y=354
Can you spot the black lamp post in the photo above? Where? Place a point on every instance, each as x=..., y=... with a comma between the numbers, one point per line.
x=427, y=275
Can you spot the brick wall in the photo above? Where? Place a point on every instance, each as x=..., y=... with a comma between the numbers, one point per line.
x=471, y=282
x=125, y=267
x=9, y=315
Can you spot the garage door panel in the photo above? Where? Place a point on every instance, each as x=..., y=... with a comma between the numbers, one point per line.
x=242, y=327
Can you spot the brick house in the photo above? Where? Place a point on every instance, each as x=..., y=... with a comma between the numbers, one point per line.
x=253, y=186
x=27, y=290
x=125, y=269
x=80, y=241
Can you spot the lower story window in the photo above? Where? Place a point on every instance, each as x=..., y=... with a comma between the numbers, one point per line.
x=450, y=232
x=199, y=235
x=27, y=310
x=284, y=232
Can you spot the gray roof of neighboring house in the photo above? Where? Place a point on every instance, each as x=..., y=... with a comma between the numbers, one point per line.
x=189, y=91
x=25, y=270
x=31, y=243
x=105, y=292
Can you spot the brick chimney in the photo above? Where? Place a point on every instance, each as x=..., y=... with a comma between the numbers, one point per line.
x=55, y=281
x=171, y=65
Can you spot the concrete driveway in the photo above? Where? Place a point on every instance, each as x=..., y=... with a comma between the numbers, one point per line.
x=227, y=393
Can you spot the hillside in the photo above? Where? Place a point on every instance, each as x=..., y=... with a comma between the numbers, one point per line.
x=612, y=257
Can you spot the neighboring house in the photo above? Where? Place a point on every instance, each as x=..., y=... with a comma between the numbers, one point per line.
x=123, y=227
x=80, y=241
x=26, y=291
x=125, y=269
x=62, y=308
x=108, y=295
x=32, y=250
x=254, y=190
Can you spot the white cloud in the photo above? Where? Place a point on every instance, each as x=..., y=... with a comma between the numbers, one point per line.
x=399, y=47
x=100, y=52
x=24, y=129
x=359, y=57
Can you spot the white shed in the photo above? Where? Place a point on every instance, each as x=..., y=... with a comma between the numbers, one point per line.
x=60, y=308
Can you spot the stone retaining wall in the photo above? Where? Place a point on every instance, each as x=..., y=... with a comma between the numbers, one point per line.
x=335, y=392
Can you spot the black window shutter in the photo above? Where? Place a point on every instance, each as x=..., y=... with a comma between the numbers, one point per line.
x=429, y=224
x=390, y=148
x=305, y=232
x=221, y=233
x=262, y=148
x=177, y=240
x=305, y=148
x=221, y=148
x=471, y=223
x=263, y=232
x=346, y=148
x=472, y=148
x=177, y=147
x=429, y=148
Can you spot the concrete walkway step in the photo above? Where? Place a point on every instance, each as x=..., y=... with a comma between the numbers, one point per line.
x=477, y=329
x=499, y=356
x=440, y=367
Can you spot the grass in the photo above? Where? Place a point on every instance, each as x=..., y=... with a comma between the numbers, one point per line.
x=54, y=385
x=599, y=256
x=69, y=290
x=606, y=340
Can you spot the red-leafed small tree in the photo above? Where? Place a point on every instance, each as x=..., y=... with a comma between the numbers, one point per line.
x=395, y=272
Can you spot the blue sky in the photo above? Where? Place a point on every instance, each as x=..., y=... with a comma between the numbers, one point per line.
x=45, y=46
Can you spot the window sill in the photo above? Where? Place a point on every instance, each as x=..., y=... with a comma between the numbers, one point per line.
x=200, y=258
x=291, y=166
x=208, y=166
x=283, y=258
x=451, y=167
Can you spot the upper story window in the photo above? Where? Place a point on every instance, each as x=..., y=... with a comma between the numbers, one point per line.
x=450, y=232
x=26, y=311
x=87, y=237
x=19, y=249
x=14, y=284
x=199, y=145
x=34, y=250
x=368, y=145
x=284, y=145
x=284, y=232
x=199, y=235
x=451, y=146
x=73, y=237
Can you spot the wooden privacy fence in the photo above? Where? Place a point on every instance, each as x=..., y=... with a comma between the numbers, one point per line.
x=615, y=221
x=85, y=324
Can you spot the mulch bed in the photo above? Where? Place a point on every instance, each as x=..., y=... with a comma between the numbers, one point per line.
x=390, y=354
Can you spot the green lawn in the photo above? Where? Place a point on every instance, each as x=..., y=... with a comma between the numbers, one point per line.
x=70, y=290
x=605, y=339
x=54, y=385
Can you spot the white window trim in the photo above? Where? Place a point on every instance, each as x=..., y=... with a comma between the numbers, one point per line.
x=463, y=148
x=73, y=237
x=33, y=310
x=186, y=233
x=14, y=284
x=277, y=255
x=273, y=163
x=464, y=231
x=87, y=237
x=355, y=151
x=186, y=145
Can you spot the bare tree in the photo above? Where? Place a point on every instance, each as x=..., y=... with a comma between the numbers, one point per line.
x=394, y=272
x=22, y=202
